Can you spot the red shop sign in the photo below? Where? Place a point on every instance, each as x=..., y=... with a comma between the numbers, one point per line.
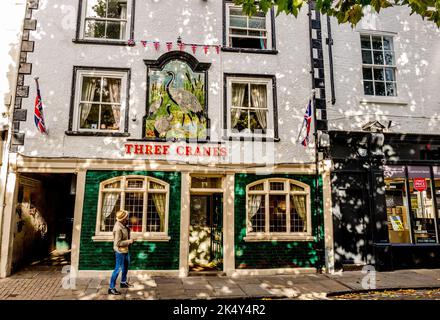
x=420, y=184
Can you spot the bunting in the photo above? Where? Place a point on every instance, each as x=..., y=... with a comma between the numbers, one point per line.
x=179, y=44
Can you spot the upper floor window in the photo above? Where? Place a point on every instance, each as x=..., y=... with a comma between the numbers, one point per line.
x=105, y=19
x=248, y=32
x=250, y=106
x=278, y=207
x=378, y=65
x=145, y=198
x=100, y=104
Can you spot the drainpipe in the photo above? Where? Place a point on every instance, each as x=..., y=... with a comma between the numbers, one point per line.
x=330, y=59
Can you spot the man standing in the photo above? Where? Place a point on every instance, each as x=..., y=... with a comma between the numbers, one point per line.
x=121, y=244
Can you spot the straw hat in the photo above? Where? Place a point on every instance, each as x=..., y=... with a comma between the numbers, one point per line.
x=121, y=215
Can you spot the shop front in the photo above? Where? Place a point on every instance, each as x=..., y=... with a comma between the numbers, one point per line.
x=191, y=221
x=386, y=197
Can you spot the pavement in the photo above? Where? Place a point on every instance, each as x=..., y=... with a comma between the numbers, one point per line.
x=46, y=283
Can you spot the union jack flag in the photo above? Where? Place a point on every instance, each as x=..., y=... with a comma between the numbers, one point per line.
x=307, y=123
x=38, y=111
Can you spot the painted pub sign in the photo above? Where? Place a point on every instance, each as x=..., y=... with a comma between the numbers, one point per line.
x=177, y=99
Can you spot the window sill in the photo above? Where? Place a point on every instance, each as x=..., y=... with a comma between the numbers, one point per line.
x=285, y=238
x=382, y=100
x=123, y=43
x=97, y=134
x=247, y=50
x=259, y=139
x=136, y=237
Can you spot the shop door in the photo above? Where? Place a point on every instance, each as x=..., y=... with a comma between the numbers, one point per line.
x=206, y=233
x=351, y=218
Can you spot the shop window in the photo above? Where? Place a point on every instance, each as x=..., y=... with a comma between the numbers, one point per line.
x=249, y=32
x=145, y=198
x=107, y=20
x=250, y=106
x=378, y=65
x=410, y=201
x=100, y=103
x=437, y=188
x=278, y=209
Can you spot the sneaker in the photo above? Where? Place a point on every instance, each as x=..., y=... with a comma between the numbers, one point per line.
x=126, y=285
x=113, y=292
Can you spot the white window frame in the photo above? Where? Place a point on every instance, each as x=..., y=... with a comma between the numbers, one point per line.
x=269, y=44
x=270, y=130
x=127, y=23
x=279, y=236
x=144, y=235
x=379, y=66
x=106, y=74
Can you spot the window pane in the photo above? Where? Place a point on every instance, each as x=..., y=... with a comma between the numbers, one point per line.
x=239, y=119
x=134, y=204
x=258, y=187
x=156, y=212
x=89, y=116
x=397, y=210
x=135, y=183
x=294, y=187
x=368, y=88
x=94, y=29
x=378, y=74
x=156, y=186
x=238, y=32
x=277, y=186
x=258, y=121
x=257, y=23
x=380, y=88
x=298, y=213
x=240, y=94
x=258, y=96
x=206, y=182
x=377, y=43
x=96, y=8
x=111, y=90
x=240, y=22
x=91, y=87
x=110, y=117
x=236, y=11
x=388, y=43
x=111, y=203
x=367, y=73
x=113, y=185
x=378, y=57
x=365, y=42
x=422, y=210
x=366, y=57
x=389, y=74
x=257, y=217
x=391, y=89
x=255, y=33
x=389, y=58
x=277, y=213
x=117, y=9
x=115, y=30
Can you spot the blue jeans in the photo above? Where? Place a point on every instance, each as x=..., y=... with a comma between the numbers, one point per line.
x=122, y=262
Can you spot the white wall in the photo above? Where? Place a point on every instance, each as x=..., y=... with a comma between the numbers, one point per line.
x=417, y=49
x=11, y=21
x=197, y=22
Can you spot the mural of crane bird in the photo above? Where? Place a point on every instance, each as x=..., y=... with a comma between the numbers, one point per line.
x=155, y=105
x=188, y=102
x=163, y=125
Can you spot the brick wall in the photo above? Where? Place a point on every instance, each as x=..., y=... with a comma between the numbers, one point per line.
x=273, y=254
x=144, y=255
